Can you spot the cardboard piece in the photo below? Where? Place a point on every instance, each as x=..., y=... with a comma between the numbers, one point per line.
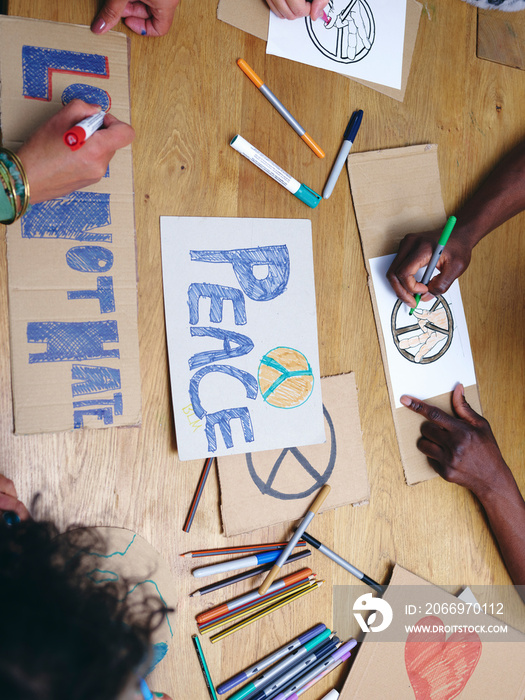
x=252, y=16
x=241, y=323
x=71, y=261
x=359, y=39
x=131, y=558
x=258, y=490
x=438, y=665
x=396, y=192
x=501, y=38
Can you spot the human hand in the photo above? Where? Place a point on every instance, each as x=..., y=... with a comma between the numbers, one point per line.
x=53, y=169
x=292, y=9
x=9, y=499
x=415, y=251
x=145, y=17
x=463, y=449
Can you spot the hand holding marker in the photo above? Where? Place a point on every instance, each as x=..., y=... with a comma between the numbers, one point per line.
x=435, y=257
x=78, y=134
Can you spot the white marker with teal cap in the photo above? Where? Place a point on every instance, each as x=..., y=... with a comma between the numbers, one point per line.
x=435, y=257
x=302, y=192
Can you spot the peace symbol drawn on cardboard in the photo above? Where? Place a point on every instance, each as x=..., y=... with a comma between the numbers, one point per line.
x=429, y=337
x=319, y=478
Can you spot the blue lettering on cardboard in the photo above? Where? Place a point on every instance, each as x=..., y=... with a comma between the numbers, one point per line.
x=104, y=293
x=72, y=340
x=89, y=258
x=89, y=93
x=91, y=379
x=223, y=419
x=274, y=258
x=217, y=294
x=242, y=346
x=71, y=217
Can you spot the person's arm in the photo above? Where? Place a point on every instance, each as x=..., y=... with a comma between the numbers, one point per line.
x=499, y=198
x=292, y=9
x=463, y=450
x=53, y=169
x=146, y=17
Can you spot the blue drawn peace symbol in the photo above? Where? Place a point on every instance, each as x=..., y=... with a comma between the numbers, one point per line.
x=266, y=488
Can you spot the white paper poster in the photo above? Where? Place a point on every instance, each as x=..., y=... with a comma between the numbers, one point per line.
x=241, y=325
x=428, y=352
x=357, y=38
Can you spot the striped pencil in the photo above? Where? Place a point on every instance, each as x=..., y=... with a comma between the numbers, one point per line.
x=198, y=494
x=238, y=549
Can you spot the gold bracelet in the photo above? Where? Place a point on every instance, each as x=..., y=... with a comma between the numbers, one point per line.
x=8, y=187
x=19, y=180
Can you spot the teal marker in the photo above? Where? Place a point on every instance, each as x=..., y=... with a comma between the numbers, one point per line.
x=279, y=669
x=434, y=259
x=204, y=667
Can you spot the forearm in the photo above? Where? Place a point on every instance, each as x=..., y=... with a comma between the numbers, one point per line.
x=505, y=509
x=500, y=197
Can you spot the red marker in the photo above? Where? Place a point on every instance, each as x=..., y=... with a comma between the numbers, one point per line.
x=78, y=134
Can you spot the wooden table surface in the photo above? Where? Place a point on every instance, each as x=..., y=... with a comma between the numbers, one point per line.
x=188, y=99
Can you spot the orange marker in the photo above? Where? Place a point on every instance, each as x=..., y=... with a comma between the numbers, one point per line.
x=272, y=99
x=219, y=610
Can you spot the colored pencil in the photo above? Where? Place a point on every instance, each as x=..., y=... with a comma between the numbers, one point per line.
x=263, y=613
x=198, y=494
x=251, y=596
x=238, y=550
x=246, y=574
x=345, y=564
x=204, y=667
x=258, y=605
x=276, y=655
x=274, y=571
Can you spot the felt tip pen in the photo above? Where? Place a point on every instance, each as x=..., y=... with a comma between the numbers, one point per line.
x=348, y=140
x=243, y=563
x=279, y=669
x=302, y=192
x=278, y=105
x=435, y=257
x=146, y=692
x=204, y=667
x=78, y=134
x=342, y=562
x=271, y=659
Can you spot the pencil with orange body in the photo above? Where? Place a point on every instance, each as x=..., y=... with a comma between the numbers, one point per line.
x=274, y=571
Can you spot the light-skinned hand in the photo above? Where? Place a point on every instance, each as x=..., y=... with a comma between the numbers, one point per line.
x=145, y=17
x=293, y=9
x=9, y=499
x=53, y=169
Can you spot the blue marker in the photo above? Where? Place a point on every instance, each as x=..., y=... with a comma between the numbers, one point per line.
x=318, y=643
x=261, y=558
x=271, y=659
x=348, y=140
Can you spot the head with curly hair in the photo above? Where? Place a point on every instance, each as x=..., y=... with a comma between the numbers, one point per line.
x=62, y=636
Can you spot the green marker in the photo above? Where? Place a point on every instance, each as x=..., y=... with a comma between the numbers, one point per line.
x=434, y=259
x=204, y=667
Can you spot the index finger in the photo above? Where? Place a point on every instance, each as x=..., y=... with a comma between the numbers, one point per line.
x=121, y=134
x=431, y=413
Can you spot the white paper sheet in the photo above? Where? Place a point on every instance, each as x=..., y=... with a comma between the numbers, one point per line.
x=363, y=39
x=271, y=305
x=432, y=357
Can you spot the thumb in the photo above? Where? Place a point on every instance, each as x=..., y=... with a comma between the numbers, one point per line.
x=462, y=408
x=109, y=16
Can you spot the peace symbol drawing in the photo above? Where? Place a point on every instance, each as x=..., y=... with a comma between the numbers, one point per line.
x=427, y=339
x=349, y=33
x=293, y=458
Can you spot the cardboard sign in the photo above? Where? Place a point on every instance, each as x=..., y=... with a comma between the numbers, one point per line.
x=242, y=334
x=71, y=261
x=442, y=662
x=253, y=16
x=263, y=489
x=395, y=192
x=358, y=39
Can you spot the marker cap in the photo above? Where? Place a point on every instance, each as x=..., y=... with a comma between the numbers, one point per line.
x=308, y=196
x=75, y=137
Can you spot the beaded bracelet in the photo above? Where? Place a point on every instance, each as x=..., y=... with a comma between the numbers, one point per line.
x=17, y=182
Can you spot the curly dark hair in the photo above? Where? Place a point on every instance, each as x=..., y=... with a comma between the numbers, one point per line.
x=62, y=637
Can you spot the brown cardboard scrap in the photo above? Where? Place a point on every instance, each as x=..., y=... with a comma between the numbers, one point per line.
x=395, y=669
x=72, y=261
x=252, y=16
x=265, y=488
x=501, y=38
x=395, y=192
